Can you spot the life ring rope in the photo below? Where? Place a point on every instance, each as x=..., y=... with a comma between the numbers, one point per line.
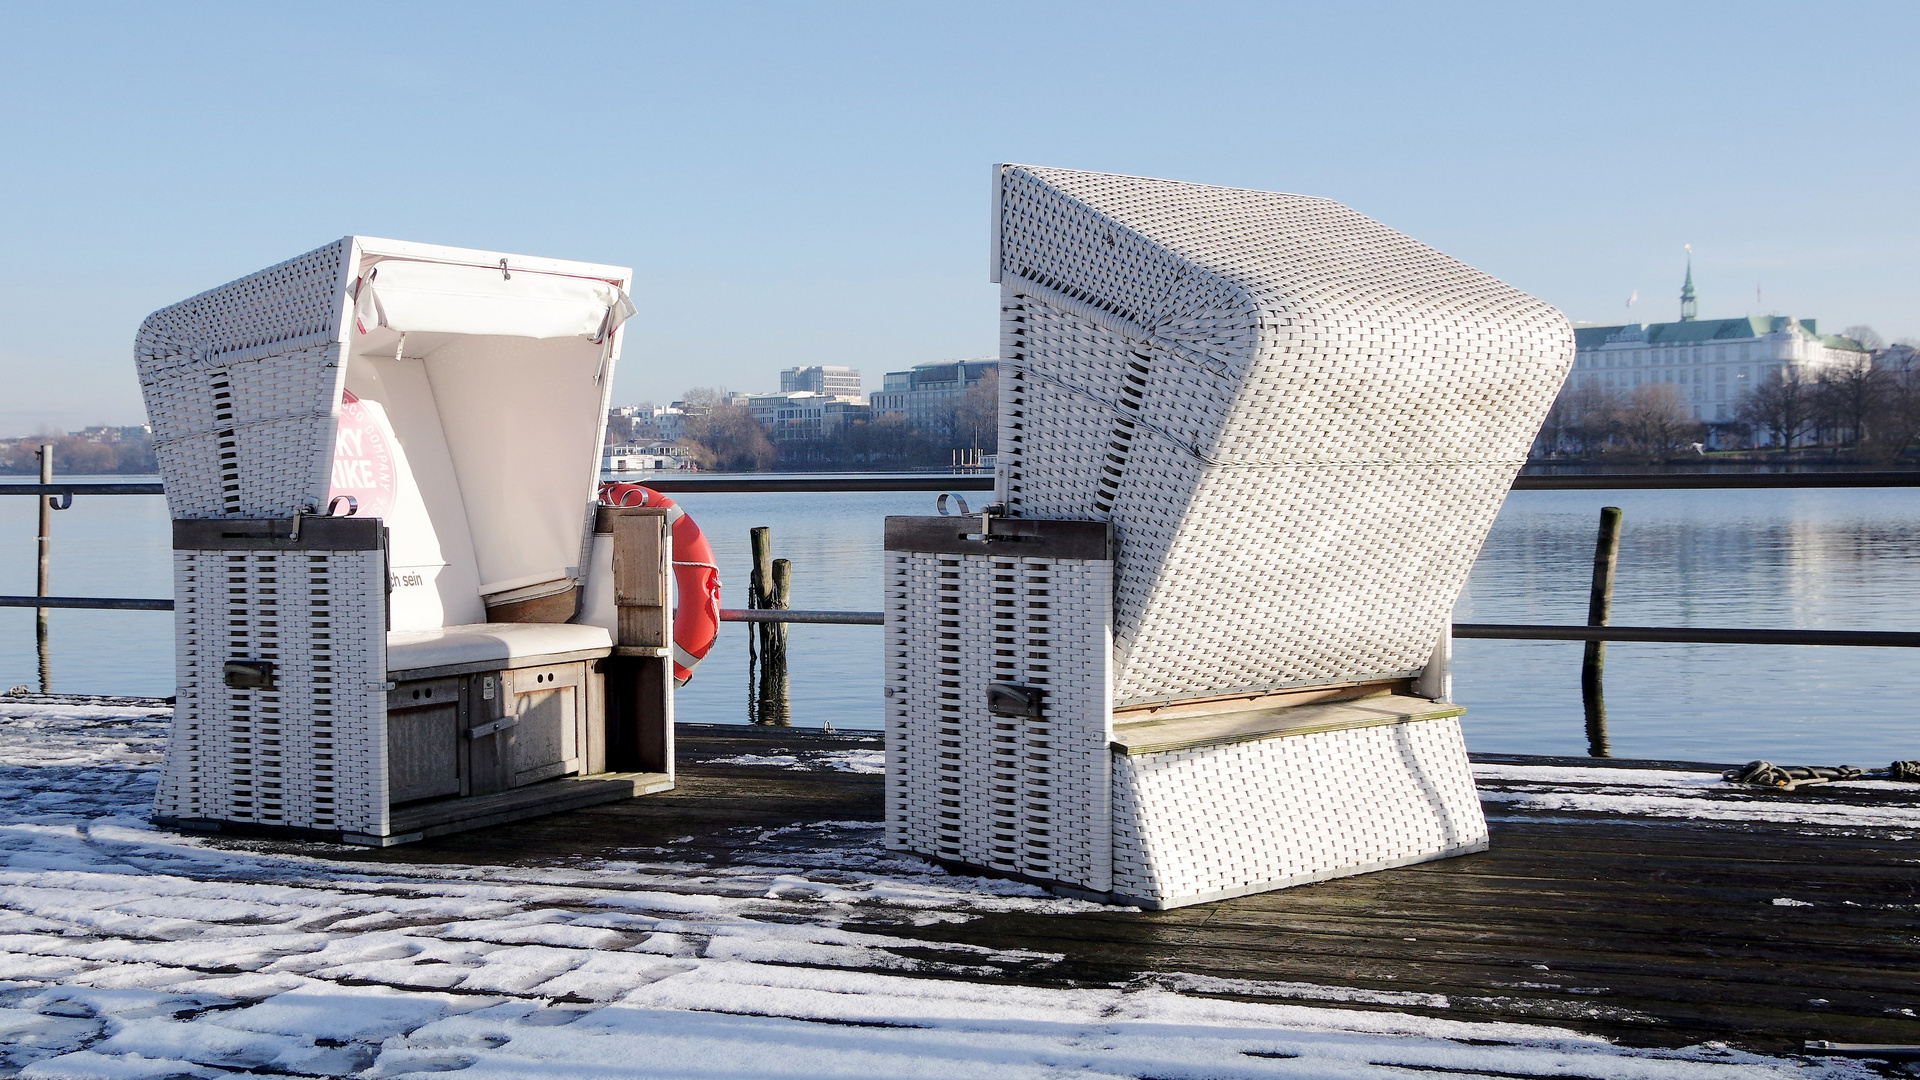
x=696, y=622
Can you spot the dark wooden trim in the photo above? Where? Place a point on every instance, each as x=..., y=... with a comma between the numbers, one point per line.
x=1033, y=538
x=304, y=533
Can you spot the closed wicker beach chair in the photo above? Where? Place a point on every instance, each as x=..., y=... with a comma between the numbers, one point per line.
x=1291, y=428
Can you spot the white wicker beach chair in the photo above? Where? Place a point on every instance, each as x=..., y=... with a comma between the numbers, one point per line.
x=1293, y=427
x=381, y=460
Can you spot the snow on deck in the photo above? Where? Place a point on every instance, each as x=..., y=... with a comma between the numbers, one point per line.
x=127, y=951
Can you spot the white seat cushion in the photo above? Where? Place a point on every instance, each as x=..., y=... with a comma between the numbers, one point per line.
x=504, y=645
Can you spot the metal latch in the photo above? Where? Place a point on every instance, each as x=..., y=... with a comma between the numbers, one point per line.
x=499, y=725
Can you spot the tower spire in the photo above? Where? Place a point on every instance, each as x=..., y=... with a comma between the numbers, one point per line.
x=1689, y=303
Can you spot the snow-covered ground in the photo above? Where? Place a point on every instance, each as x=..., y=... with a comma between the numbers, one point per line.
x=126, y=951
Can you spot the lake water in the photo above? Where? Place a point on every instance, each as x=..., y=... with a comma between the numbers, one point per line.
x=1793, y=558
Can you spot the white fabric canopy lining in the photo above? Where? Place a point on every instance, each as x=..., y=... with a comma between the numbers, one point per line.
x=425, y=297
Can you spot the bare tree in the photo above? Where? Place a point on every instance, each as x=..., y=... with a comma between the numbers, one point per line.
x=1865, y=335
x=977, y=421
x=1894, y=420
x=1655, y=422
x=78, y=456
x=1593, y=416
x=1845, y=396
x=727, y=431
x=1782, y=404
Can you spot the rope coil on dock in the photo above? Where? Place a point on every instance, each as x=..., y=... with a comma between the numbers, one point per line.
x=1789, y=777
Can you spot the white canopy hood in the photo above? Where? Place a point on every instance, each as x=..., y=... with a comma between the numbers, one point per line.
x=432, y=297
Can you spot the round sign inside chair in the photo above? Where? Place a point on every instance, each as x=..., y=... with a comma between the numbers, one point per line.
x=363, y=457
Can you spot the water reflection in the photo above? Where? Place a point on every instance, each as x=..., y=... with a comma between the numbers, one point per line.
x=1810, y=559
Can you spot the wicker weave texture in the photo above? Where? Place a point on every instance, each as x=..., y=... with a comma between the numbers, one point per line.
x=1300, y=422
x=242, y=385
x=1021, y=795
x=310, y=753
x=1223, y=820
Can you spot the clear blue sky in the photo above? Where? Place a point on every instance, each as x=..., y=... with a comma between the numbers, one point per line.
x=809, y=184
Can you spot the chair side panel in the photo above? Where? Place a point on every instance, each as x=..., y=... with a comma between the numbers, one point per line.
x=310, y=751
x=1021, y=795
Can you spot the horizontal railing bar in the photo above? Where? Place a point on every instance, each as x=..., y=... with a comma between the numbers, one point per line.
x=1688, y=635
x=749, y=482
x=83, y=488
x=1675, y=635
x=833, y=618
x=1703, y=481
x=104, y=603
x=1678, y=635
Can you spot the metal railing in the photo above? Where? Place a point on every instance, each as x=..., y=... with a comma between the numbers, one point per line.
x=1673, y=635
x=85, y=603
x=671, y=482
x=59, y=496
x=62, y=494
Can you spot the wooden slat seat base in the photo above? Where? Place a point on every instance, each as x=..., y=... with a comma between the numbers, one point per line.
x=459, y=815
x=1231, y=725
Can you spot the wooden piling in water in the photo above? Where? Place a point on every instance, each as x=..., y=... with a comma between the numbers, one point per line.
x=768, y=588
x=776, y=702
x=1606, y=557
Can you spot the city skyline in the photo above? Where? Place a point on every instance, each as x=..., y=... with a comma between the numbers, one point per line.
x=810, y=185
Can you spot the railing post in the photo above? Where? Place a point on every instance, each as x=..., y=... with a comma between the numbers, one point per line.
x=1606, y=557
x=44, y=582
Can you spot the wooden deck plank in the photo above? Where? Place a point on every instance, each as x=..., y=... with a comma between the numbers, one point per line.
x=1651, y=930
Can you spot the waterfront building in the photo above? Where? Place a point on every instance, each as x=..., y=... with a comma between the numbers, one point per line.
x=637, y=458
x=667, y=422
x=836, y=382
x=802, y=415
x=1713, y=362
x=927, y=394
x=653, y=423
x=113, y=433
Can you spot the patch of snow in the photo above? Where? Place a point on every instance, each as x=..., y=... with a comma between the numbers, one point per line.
x=867, y=762
x=779, y=761
x=1752, y=808
x=131, y=952
x=1207, y=984
x=1611, y=777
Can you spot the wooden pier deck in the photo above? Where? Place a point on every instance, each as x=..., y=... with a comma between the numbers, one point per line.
x=1611, y=909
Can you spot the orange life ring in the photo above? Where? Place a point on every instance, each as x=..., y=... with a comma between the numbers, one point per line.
x=696, y=617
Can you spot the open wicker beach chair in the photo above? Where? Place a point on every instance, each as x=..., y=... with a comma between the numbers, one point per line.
x=1250, y=444
x=395, y=612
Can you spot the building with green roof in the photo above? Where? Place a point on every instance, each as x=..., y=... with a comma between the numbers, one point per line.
x=1712, y=362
